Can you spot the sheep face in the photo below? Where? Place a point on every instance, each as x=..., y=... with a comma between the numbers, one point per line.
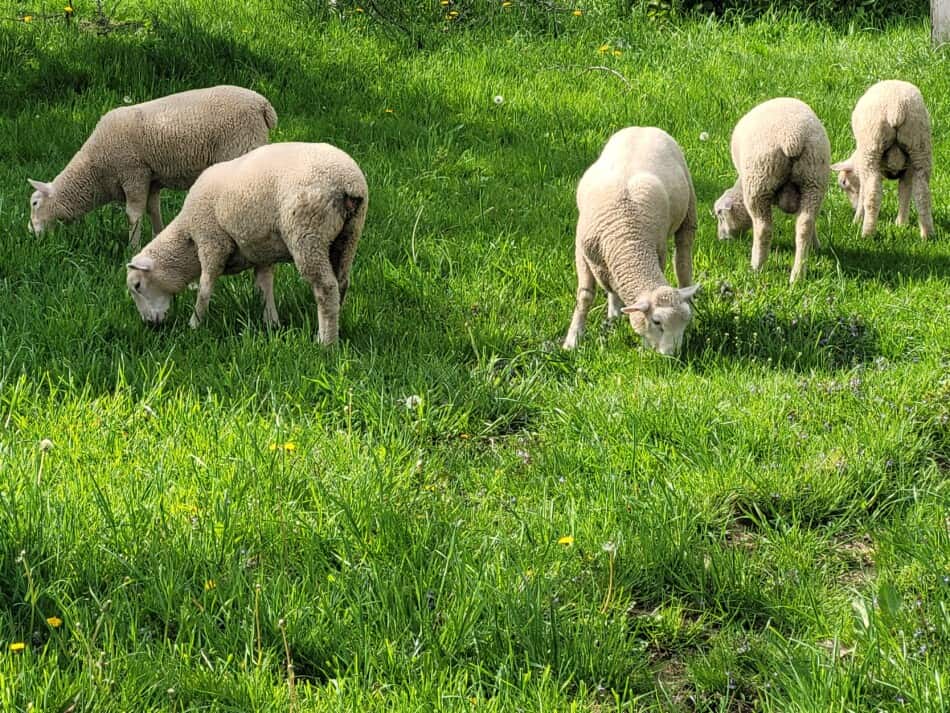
x=151, y=297
x=731, y=214
x=661, y=318
x=42, y=204
x=848, y=181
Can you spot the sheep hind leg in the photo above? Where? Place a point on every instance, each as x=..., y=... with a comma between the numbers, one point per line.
x=154, y=205
x=872, y=189
x=806, y=233
x=311, y=253
x=264, y=280
x=921, y=191
x=585, y=298
x=761, y=213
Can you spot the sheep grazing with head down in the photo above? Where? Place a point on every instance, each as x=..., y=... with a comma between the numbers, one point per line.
x=782, y=155
x=637, y=193
x=298, y=202
x=135, y=151
x=892, y=135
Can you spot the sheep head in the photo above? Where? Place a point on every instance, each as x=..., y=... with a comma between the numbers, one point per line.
x=150, y=292
x=848, y=181
x=660, y=318
x=731, y=214
x=42, y=206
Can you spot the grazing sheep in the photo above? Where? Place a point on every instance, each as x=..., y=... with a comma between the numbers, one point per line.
x=637, y=193
x=892, y=134
x=284, y=202
x=782, y=155
x=135, y=151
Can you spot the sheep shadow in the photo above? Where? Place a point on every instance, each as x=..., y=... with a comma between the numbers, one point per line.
x=889, y=263
x=799, y=344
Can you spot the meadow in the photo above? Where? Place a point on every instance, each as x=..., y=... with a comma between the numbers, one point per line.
x=447, y=511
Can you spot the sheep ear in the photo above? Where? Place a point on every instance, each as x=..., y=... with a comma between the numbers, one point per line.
x=45, y=188
x=843, y=165
x=145, y=264
x=641, y=306
x=724, y=203
x=687, y=293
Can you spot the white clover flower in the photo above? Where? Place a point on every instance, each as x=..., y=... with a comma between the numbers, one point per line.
x=499, y=99
x=704, y=136
x=412, y=401
x=127, y=99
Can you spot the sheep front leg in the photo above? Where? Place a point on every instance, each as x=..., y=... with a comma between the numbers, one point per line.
x=264, y=279
x=614, y=305
x=154, y=205
x=136, y=199
x=585, y=297
x=213, y=259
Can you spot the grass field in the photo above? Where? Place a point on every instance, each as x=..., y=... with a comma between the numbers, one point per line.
x=448, y=512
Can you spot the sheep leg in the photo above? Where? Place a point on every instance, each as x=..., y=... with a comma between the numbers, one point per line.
x=326, y=291
x=585, y=297
x=342, y=251
x=921, y=191
x=806, y=233
x=683, y=244
x=154, y=204
x=761, y=213
x=871, y=191
x=264, y=279
x=904, y=190
x=135, y=205
x=614, y=305
x=212, y=266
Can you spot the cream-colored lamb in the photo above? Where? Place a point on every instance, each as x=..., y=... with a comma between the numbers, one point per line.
x=637, y=193
x=782, y=155
x=892, y=133
x=284, y=202
x=135, y=151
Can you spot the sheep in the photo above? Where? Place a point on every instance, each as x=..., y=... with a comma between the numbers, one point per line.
x=637, y=193
x=135, y=151
x=892, y=136
x=782, y=155
x=283, y=202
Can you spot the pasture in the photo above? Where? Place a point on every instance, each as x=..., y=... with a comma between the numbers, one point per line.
x=447, y=511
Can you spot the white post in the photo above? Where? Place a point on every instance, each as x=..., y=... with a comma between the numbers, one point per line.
x=940, y=21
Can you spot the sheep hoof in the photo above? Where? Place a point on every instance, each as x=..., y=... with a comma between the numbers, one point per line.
x=194, y=321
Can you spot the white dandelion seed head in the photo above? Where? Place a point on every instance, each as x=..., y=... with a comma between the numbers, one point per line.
x=704, y=136
x=46, y=445
x=499, y=99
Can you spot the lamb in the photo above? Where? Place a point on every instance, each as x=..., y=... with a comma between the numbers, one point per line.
x=135, y=151
x=283, y=202
x=782, y=154
x=892, y=134
x=637, y=193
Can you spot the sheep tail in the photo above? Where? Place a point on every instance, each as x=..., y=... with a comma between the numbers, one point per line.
x=270, y=116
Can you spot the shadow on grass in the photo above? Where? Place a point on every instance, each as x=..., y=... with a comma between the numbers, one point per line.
x=800, y=344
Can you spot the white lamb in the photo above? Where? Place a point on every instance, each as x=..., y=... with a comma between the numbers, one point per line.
x=135, y=151
x=637, y=193
x=892, y=133
x=781, y=152
x=284, y=202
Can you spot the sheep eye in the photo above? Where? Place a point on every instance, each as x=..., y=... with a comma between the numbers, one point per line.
x=137, y=285
x=657, y=322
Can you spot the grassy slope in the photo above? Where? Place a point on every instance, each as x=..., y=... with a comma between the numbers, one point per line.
x=777, y=498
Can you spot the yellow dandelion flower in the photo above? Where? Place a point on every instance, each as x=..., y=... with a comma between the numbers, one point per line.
x=453, y=14
x=528, y=573
x=389, y=111
x=566, y=540
x=210, y=584
x=68, y=9
x=578, y=13
x=28, y=18
x=603, y=48
x=290, y=446
x=54, y=621
x=17, y=646
x=359, y=9
x=507, y=3
x=617, y=53
x=443, y=3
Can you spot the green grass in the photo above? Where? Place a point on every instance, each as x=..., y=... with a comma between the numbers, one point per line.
x=758, y=525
